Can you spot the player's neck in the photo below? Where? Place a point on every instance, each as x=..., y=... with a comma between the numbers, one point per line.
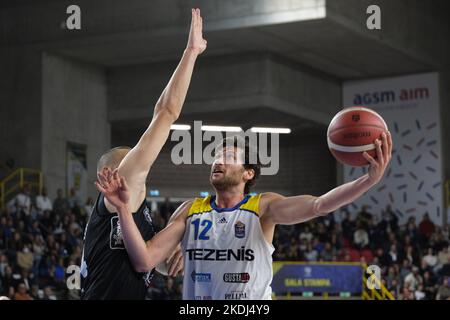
x=228, y=198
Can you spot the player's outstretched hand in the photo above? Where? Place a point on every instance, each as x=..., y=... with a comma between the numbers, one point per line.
x=384, y=153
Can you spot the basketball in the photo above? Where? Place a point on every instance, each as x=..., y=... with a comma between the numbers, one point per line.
x=353, y=131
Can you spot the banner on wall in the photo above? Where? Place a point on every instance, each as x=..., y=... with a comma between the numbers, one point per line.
x=77, y=169
x=412, y=184
x=298, y=277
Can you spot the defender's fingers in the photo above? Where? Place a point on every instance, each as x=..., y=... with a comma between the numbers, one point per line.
x=116, y=175
x=102, y=179
x=99, y=187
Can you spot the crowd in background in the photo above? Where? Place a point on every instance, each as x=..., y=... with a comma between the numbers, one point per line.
x=40, y=238
x=414, y=258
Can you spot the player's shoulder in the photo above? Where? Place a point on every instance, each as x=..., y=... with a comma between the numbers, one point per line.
x=266, y=199
x=183, y=210
x=270, y=196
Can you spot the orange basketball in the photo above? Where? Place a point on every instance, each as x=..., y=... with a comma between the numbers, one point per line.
x=353, y=131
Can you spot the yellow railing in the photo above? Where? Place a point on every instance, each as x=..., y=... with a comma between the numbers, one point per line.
x=12, y=184
x=375, y=294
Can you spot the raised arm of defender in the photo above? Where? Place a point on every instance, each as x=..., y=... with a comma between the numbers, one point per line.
x=137, y=163
x=143, y=255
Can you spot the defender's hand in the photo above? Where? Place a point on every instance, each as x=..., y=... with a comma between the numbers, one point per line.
x=113, y=187
x=196, y=42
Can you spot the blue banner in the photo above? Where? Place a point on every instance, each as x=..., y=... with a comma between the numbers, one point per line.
x=317, y=278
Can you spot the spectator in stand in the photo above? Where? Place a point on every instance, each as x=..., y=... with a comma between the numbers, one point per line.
x=7, y=281
x=34, y=293
x=391, y=276
x=3, y=263
x=27, y=279
x=405, y=269
x=348, y=226
x=328, y=252
x=364, y=216
x=311, y=254
x=406, y=294
x=445, y=270
x=306, y=234
x=429, y=284
x=48, y=294
x=412, y=255
x=43, y=202
x=360, y=237
x=426, y=226
x=412, y=231
x=21, y=293
x=443, y=258
x=379, y=234
x=88, y=207
x=430, y=259
x=25, y=258
x=383, y=259
x=322, y=234
x=413, y=279
x=444, y=290
x=23, y=201
x=393, y=255
x=393, y=288
x=74, y=201
x=419, y=293
x=61, y=204
x=391, y=218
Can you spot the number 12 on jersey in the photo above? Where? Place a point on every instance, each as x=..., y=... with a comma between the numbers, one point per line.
x=206, y=224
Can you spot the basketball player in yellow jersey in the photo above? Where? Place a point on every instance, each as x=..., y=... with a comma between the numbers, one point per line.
x=227, y=238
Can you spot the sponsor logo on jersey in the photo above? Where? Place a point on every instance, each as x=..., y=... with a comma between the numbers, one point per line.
x=239, y=229
x=148, y=278
x=236, y=277
x=147, y=215
x=235, y=295
x=241, y=254
x=222, y=220
x=115, y=236
x=200, y=277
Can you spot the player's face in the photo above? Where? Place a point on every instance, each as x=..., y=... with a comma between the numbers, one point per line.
x=227, y=169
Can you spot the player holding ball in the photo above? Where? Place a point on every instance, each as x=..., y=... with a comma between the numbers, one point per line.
x=231, y=232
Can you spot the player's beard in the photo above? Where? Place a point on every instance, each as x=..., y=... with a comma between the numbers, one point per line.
x=228, y=180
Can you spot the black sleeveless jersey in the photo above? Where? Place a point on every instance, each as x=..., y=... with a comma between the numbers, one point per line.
x=106, y=270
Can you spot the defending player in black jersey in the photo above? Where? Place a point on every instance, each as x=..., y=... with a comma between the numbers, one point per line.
x=107, y=271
